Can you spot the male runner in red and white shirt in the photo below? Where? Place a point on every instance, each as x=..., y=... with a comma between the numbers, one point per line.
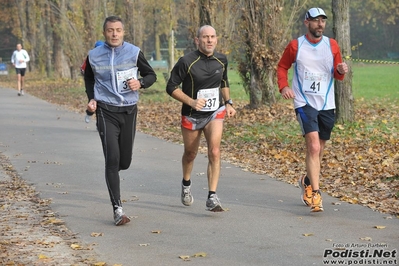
x=317, y=62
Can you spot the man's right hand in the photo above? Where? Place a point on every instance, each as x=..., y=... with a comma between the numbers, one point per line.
x=198, y=104
x=92, y=106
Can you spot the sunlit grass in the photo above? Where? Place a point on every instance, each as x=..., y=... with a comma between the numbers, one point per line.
x=375, y=82
x=370, y=82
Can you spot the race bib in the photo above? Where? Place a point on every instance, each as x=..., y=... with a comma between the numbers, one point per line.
x=315, y=83
x=123, y=76
x=212, y=99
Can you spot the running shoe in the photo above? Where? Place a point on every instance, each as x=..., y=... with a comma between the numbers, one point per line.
x=22, y=92
x=186, y=197
x=120, y=217
x=213, y=204
x=306, y=191
x=87, y=119
x=19, y=93
x=317, y=202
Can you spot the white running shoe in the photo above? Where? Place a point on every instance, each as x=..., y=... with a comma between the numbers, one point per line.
x=213, y=204
x=186, y=197
x=120, y=217
x=87, y=119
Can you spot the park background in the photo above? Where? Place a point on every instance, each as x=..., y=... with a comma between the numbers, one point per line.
x=58, y=33
x=361, y=161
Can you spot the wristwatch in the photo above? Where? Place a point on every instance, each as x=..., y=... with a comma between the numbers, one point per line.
x=141, y=83
x=229, y=101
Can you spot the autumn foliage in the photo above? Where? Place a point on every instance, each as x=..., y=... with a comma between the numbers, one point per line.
x=361, y=162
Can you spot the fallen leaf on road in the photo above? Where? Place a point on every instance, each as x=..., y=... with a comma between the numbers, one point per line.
x=134, y=198
x=96, y=234
x=199, y=255
x=56, y=221
x=99, y=263
x=380, y=226
x=185, y=257
x=367, y=238
x=75, y=246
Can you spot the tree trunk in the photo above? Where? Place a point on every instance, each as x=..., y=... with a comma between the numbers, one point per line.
x=260, y=42
x=255, y=93
x=157, y=37
x=130, y=20
x=105, y=9
x=22, y=8
x=88, y=19
x=23, y=12
x=48, y=40
x=205, y=17
x=61, y=61
x=171, y=49
x=31, y=30
x=269, y=96
x=343, y=89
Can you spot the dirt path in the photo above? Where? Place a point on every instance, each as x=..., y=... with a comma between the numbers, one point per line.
x=31, y=233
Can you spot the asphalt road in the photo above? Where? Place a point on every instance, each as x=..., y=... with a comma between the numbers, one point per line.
x=266, y=223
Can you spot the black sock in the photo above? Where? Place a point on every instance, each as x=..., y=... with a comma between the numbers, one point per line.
x=317, y=191
x=210, y=193
x=307, y=181
x=186, y=183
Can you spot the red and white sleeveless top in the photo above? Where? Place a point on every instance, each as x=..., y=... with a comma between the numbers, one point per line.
x=313, y=80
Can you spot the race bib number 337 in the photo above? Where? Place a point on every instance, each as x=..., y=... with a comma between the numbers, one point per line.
x=212, y=99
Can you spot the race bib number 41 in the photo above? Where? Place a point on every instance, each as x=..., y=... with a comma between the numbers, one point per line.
x=315, y=83
x=123, y=76
x=212, y=99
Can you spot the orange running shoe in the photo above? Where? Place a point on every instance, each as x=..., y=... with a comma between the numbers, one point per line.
x=306, y=194
x=317, y=202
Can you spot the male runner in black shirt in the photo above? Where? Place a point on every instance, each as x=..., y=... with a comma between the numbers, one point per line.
x=205, y=95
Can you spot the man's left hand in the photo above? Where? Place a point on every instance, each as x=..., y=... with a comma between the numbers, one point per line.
x=134, y=84
x=342, y=68
x=230, y=110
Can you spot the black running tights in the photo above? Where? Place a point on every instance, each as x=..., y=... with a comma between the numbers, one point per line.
x=117, y=131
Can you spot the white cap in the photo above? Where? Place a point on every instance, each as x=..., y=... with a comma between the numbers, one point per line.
x=314, y=13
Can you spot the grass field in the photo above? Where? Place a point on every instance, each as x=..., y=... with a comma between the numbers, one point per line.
x=370, y=82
